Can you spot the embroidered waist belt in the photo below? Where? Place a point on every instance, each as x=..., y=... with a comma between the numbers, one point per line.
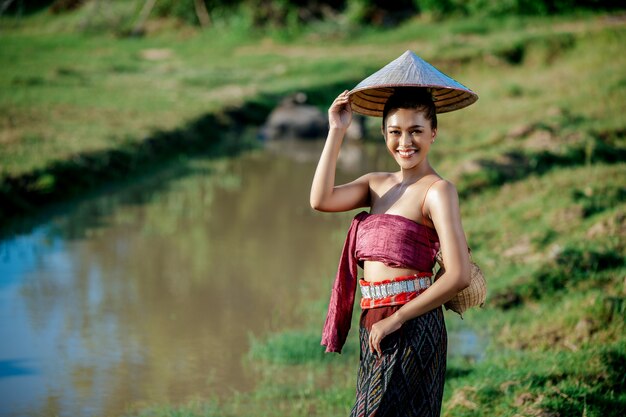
x=395, y=291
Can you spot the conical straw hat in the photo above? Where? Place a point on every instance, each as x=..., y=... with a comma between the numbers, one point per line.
x=409, y=70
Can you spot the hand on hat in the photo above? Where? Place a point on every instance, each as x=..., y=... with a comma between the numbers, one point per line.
x=340, y=112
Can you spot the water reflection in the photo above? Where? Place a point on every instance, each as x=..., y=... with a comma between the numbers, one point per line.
x=152, y=292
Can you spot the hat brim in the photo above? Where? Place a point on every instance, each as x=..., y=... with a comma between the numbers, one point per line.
x=370, y=100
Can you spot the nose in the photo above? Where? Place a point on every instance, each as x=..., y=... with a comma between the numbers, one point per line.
x=405, y=139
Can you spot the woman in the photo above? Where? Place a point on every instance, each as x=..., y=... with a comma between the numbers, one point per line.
x=413, y=212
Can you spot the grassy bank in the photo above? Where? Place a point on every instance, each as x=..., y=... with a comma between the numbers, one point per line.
x=538, y=160
x=80, y=103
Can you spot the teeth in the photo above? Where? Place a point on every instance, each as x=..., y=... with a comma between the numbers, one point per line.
x=406, y=153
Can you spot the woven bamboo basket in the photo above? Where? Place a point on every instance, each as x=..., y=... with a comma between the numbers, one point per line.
x=474, y=295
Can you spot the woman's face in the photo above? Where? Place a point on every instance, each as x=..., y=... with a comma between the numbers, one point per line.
x=408, y=135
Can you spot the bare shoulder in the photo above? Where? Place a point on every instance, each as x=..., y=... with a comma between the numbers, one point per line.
x=379, y=178
x=444, y=187
x=442, y=196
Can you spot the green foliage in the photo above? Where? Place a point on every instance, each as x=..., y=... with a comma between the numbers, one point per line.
x=293, y=347
x=289, y=348
x=518, y=164
x=356, y=11
x=292, y=14
x=588, y=391
x=598, y=199
x=585, y=382
x=268, y=14
x=570, y=269
x=439, y=8
x=528, y=7
x=182, y=9
x=20, y=7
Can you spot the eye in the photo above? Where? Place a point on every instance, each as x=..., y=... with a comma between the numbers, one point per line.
x=416, y=132
x=394, y=132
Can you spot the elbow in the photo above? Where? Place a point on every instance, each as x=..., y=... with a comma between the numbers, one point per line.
x=315, y=204
x=319, y=202
x=314, y=200
x=464, y=281
x=459, y=280
x=463, y=284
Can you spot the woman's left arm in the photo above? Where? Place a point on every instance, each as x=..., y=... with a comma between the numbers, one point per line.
x=442, y=206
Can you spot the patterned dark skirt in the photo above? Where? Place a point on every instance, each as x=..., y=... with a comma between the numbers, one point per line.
x=408, y=379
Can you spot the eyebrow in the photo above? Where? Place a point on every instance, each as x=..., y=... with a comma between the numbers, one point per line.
x=398, y=127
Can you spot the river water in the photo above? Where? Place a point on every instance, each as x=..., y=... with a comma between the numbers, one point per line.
x=151, y=292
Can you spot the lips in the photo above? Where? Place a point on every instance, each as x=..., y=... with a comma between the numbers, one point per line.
x=406, y=153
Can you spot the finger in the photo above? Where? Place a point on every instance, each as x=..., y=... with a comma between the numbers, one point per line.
x=340, y=107
x=377, y=347
x=343, y=96
x=341, y=101
x=371, y=344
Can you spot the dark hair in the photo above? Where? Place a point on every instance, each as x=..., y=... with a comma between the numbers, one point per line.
x=418, y=98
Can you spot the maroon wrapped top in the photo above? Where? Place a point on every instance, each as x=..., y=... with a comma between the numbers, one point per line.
x=394, y=240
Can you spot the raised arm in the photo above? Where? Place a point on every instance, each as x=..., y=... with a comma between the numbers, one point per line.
x=325, y=196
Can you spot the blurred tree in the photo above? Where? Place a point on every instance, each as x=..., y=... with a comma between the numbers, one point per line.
x=289, y=13
x=202, y=13
x=182, y=9
x=530, y=7
x=438, y=8
x=380, y=12
x=138, y=29
x=19, y=7
x=60, y=6
x=281, y=13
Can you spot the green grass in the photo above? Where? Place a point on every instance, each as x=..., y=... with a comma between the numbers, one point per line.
x=69, y=91
x=538, y=161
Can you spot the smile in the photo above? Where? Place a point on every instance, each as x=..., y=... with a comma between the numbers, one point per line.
x=406, y=153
